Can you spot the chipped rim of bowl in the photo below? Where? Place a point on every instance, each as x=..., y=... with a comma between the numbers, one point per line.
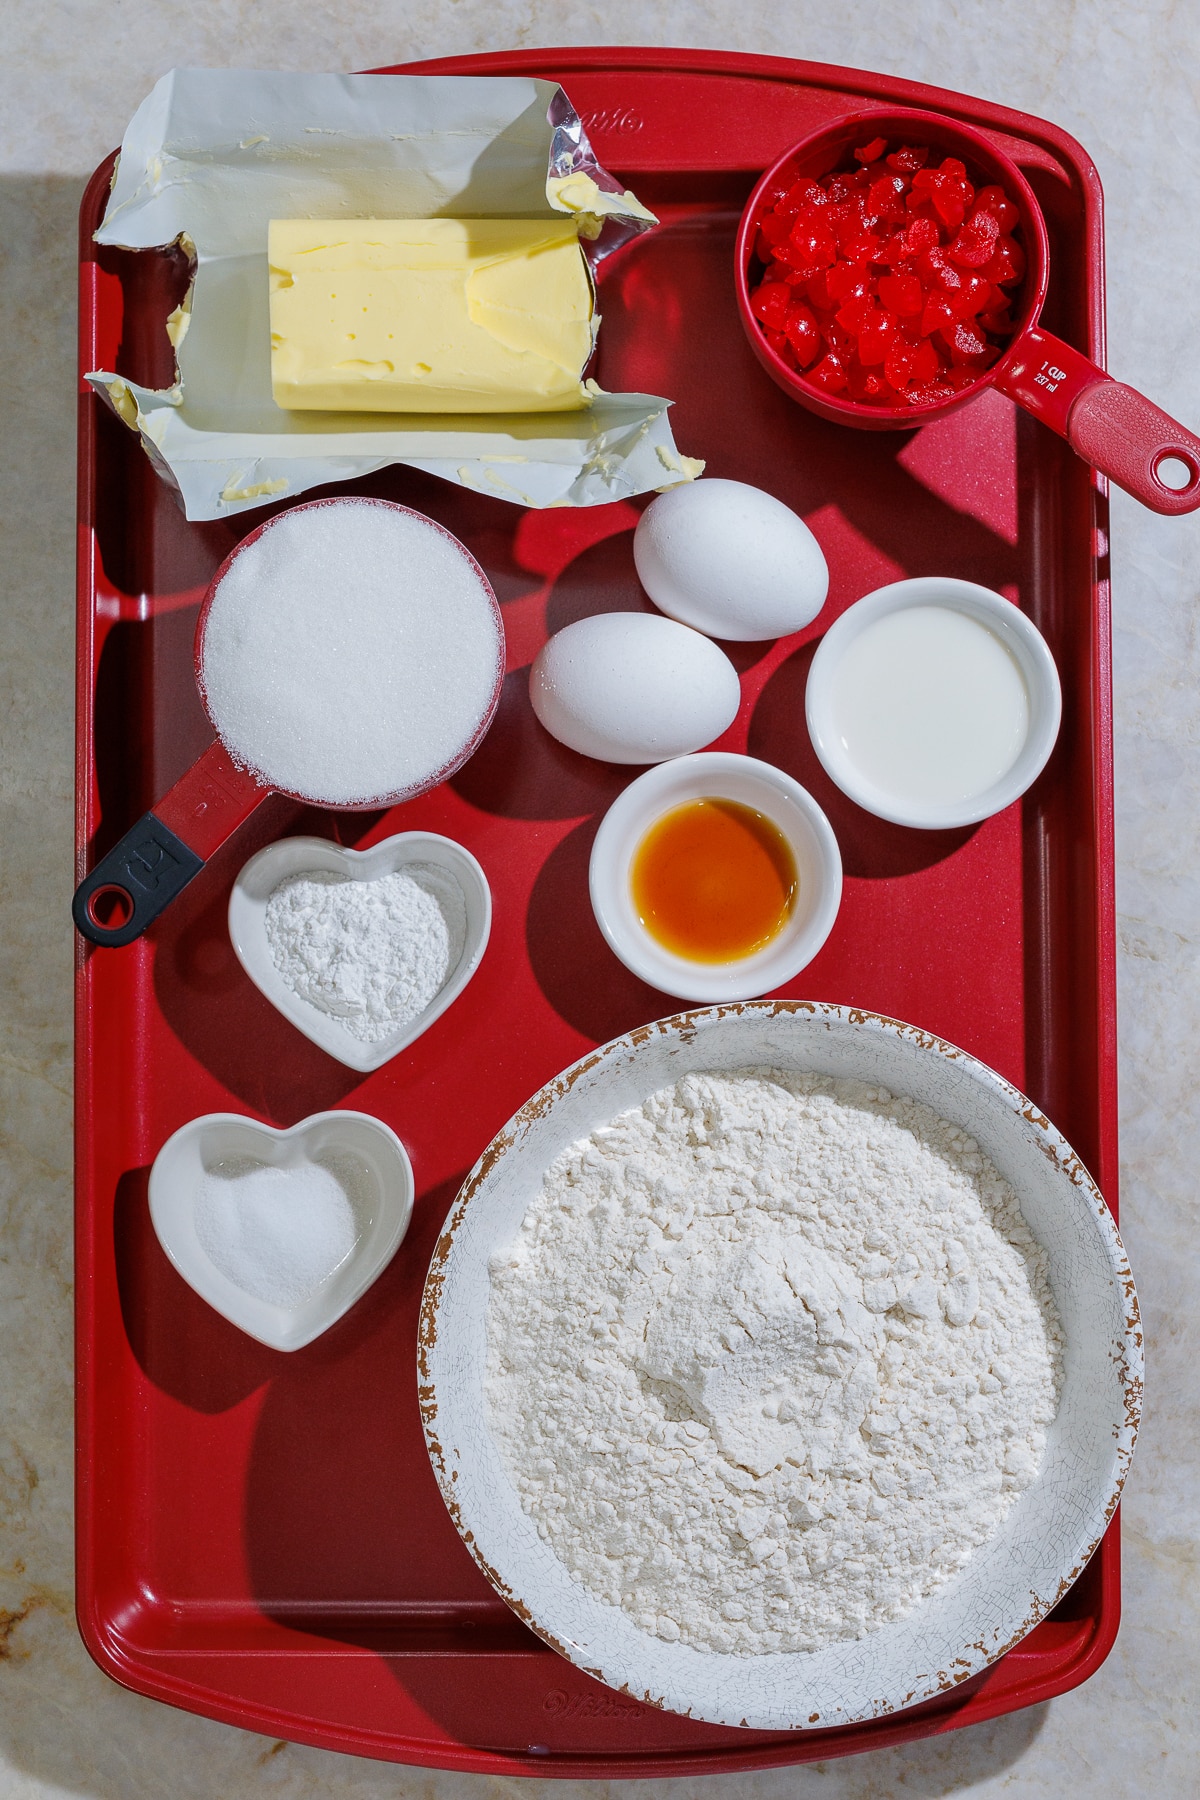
x=441, y=1366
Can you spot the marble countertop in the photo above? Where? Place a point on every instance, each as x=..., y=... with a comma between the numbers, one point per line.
x=1120, y=77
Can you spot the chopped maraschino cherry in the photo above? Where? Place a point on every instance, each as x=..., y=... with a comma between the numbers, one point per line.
x=892, y=280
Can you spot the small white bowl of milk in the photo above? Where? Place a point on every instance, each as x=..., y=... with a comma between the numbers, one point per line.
x=933, y=702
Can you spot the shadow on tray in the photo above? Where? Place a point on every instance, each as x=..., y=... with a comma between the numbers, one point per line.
x=347, y=1539
x=521, y=772
x=888, y=487
x=346, y=1533
x=210, y=1002
x=181, y=1344
x=574, y=967
x=871, y=848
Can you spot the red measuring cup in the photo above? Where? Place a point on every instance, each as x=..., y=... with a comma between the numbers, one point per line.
x=169, y=845
x=1111, y=426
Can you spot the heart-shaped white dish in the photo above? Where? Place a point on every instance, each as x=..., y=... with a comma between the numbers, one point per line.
x=296, y=856
x=381, y=1201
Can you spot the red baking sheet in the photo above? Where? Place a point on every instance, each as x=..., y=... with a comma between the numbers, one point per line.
x=259, y=1535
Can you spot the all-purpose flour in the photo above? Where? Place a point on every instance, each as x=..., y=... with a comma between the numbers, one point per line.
x=772, y=1356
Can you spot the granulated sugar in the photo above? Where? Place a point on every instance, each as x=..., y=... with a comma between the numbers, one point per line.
x=370, y=953
x=351, y=652
x=772, y=1357
x=278, y=1233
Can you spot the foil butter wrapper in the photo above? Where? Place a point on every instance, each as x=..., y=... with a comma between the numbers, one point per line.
x=211, y=156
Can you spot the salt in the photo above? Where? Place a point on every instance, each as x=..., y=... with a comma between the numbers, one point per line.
x=351, y=653
x=278, y=1233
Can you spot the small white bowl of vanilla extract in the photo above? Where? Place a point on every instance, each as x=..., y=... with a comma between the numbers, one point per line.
x=715, y=877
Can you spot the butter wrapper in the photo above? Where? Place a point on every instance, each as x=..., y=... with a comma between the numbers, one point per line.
x=211, y=156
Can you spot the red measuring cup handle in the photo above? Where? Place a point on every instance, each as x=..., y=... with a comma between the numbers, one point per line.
x=1111, y=426
x=159, y=855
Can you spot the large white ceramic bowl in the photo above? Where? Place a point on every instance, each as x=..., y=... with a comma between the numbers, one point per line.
x=1011, y=1582
x=716, y=774
x=259, y=878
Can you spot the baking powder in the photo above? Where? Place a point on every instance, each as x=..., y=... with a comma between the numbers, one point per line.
x=372, y=954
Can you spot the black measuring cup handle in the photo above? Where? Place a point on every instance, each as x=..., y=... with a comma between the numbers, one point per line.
x=140, y=876
x=159, y=855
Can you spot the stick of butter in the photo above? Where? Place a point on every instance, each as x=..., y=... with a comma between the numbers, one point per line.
x=429, y=315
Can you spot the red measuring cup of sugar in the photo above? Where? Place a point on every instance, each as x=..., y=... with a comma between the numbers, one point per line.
x=154, y=861
x=1111, y=426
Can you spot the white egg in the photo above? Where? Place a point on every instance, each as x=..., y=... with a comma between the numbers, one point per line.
x=730, y=560
x=633, y=688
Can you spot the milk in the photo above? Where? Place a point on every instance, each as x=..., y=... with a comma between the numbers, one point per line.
x=929, y=706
